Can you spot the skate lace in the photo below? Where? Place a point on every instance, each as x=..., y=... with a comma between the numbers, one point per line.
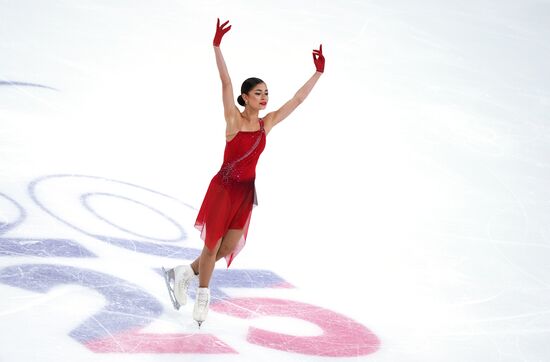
x=183, y=283
x=202, y=300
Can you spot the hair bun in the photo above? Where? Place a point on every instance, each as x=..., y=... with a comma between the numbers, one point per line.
x=240, y=100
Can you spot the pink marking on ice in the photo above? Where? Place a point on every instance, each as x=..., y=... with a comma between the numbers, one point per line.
x=135, y=342
x=285, y=285
x=341, y=337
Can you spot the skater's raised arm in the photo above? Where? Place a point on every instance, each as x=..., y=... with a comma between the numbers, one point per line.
x=229, y=108
x=275, y=117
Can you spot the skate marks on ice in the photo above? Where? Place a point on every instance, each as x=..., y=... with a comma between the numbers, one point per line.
x=107, y=217
x=25, y=84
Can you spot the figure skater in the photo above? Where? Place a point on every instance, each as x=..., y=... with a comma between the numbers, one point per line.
x=224, y=216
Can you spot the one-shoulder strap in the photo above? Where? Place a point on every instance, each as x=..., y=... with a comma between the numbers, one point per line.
x=261, y=124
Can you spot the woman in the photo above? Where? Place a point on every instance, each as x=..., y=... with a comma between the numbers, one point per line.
x=224, y=216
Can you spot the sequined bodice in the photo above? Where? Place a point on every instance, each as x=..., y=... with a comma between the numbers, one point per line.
x=241, y=156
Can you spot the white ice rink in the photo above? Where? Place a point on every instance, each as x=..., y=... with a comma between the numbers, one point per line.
x=404, y=208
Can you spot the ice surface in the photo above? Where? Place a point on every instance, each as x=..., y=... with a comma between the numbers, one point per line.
x=404, y=208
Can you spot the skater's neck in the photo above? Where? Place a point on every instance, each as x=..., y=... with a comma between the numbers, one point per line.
x=250, y=115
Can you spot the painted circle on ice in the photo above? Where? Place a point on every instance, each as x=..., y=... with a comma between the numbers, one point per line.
x=11, y=213
x=67, y=199
x=117, y=212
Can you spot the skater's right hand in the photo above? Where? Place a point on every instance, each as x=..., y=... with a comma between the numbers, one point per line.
x=319, y=59
x=220, y=32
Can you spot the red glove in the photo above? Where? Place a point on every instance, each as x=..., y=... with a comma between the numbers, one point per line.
x=220, y=32
x=319, y=59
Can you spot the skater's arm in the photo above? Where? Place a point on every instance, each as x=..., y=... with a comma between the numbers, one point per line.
x=294, y=102
x=229, y=107
x=302, y=93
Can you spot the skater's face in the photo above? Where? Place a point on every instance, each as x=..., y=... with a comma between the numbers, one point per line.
x=258, y=97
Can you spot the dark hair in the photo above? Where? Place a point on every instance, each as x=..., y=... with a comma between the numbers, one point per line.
x=247, y=87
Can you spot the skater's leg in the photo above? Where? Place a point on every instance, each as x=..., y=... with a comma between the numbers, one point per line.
x=207, y=260
x=229, y=242
x=195, y=265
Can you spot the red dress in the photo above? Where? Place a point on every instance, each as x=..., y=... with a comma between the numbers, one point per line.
x=231, y=195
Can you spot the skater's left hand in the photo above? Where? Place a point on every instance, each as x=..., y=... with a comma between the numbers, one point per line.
x=319, y=59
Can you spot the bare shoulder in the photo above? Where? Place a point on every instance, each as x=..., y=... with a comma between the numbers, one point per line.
x=233, y=124
x=232, y=115
x=233, y=118
x=269, y=121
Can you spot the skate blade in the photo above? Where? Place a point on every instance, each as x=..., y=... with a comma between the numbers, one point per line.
x=168, y=276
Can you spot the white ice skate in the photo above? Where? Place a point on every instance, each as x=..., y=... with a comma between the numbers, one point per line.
x=202, y=301
x=177, y=281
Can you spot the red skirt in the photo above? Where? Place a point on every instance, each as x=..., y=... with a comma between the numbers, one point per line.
x=226, y=206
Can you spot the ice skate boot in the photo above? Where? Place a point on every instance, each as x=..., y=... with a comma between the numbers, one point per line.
x=177, y=282
x=183, y=275
x=202, y=301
